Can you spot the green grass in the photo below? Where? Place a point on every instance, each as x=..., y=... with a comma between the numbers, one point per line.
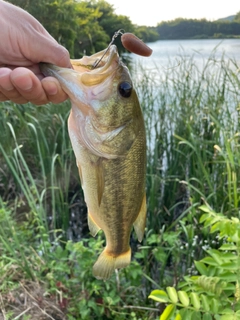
x=192, y=124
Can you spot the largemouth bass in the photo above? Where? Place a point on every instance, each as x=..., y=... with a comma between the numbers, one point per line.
x=107, y=133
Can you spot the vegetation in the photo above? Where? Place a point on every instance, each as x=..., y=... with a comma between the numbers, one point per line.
x=46, y=252
x=193, y=28
x=215, y=293
x=237, y=17
x=83, y=27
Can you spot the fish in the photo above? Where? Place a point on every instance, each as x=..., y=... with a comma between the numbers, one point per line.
x=107, y=133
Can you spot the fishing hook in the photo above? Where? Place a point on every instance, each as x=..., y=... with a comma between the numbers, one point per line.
x=116, y=34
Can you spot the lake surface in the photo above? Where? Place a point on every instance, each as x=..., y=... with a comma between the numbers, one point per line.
x=174, y=73
x=165, y=51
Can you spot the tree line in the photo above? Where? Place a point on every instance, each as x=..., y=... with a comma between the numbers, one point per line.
x=87, y=26
x=192, y=28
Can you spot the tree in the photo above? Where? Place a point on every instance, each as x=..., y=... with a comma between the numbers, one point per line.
x=147, y=34
x=110, y=22
x=237, y=17
x=73, y=24
x=57, y=16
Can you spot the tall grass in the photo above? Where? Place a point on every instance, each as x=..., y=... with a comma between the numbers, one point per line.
x=188, y=110
x=192, y=123
x=37, y=160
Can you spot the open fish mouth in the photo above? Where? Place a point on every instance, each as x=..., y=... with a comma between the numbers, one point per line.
x=90, y=70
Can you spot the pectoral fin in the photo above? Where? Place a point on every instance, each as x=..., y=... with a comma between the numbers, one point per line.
x=80, y=173
x=100, y=180
x=93, y=227
x=140, y=223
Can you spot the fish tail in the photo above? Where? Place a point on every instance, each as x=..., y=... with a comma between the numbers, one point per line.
x=107, y=263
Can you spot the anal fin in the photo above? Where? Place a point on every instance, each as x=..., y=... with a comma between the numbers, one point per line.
x=140, y=223
x=93, y=227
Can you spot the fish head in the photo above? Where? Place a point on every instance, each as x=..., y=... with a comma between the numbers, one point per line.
x=99, y=90
x=103, y=99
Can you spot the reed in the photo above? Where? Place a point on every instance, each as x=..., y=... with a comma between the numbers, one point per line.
x=188, y=110
x=192, y=123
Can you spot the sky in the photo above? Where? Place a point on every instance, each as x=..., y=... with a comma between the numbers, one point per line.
x=151, y=12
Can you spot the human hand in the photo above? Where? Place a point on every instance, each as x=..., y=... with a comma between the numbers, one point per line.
x=26, y=43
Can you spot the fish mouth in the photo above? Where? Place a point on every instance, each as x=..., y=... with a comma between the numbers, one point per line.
x=89, y=70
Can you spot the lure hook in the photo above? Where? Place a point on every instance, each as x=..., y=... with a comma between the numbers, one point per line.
x=116, y=34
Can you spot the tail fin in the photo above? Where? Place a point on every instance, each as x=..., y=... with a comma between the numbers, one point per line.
x=107, y=263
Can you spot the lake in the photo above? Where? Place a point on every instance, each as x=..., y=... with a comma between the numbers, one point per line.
x=176, y=78
x=200, y=50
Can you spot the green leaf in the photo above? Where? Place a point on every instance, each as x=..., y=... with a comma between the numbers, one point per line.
x=210, y=261
x=228, y=276
x=229, y=256
x=172, y=293
x=234, y=265
x=216, y=255
x=183, y=297
x=204, y=217
x=228, y=246
x=178, y=317
x=201, y=267
x=228, y=317
x=196, y=315
x=230, y=287
x=205, y=303
x=186, y=314
x=215, y=227
x=205, y=208
x=207, y=316
x=212, y=271
x=214, y=306
x=227, y=311
x=159, y=296
x=168, y=312
x=195, y=300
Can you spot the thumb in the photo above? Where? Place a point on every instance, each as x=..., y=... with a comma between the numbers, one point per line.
x=52, y=52
x=60, y=56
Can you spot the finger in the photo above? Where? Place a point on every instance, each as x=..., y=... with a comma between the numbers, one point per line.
x=3, y=97
x=7, y=90
x=5, y=82
x=28, y=85
x=53, y=90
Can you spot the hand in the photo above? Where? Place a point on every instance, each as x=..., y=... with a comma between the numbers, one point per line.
x=26, y=43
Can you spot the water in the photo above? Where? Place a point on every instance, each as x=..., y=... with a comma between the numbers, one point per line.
x=170, y=50
x=175, y=59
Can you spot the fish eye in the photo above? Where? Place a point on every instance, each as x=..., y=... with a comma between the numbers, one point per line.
x=125, y=89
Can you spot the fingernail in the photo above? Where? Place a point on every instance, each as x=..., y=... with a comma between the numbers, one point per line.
x=5, y=83
x=22, y=78
x=4, y=72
